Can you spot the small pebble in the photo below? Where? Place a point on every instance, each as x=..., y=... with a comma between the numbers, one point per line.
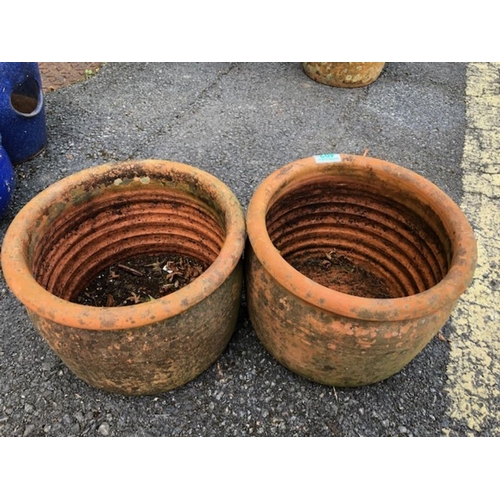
x=104, y=429
x=29, y=430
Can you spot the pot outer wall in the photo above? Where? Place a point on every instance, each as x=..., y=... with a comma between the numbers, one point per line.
x=154, y=358
x=343, y=74
x=328, y=348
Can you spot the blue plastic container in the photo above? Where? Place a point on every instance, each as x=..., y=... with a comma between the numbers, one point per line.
x=22, y=113
x=7, y=179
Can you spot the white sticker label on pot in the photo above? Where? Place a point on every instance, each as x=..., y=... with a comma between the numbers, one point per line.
x=327, y=158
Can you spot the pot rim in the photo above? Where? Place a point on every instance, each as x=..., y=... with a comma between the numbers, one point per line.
x=440, y=296
x=41, y=302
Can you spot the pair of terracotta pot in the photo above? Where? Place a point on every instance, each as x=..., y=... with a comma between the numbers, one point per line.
x=388, y=221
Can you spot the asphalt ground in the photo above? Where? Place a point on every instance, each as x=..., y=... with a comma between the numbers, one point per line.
x=241, y=121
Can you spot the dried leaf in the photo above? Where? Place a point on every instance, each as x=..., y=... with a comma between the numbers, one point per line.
x=113, y=275
x=442, y=337
x=133, y=298
x=130, y=270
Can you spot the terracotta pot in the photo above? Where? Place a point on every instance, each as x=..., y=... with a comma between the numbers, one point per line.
x=80, y=225
x=393, y=252
x=343, y=74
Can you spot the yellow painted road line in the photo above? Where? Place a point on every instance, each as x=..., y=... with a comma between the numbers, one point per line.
x=474, y=366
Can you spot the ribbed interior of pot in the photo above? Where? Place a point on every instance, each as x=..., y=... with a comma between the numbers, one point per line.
x=348, y=235
x=87, y=238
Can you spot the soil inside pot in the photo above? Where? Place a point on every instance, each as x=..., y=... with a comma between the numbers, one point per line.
x=24, y=104
x=339, y=273
x=140, y=279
